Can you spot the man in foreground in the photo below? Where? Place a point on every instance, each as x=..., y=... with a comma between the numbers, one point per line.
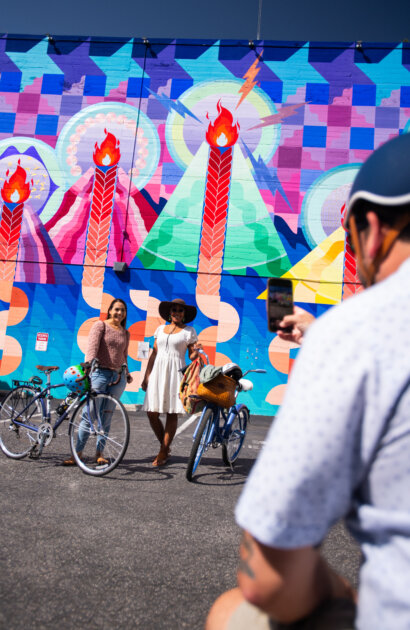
x=340, y=445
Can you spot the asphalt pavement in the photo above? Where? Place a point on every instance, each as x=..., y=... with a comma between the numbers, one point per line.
x=139, y=548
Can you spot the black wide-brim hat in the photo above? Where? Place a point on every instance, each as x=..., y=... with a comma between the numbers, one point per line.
x=165, y=309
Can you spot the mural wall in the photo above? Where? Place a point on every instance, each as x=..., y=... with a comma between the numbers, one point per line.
x=206, y=166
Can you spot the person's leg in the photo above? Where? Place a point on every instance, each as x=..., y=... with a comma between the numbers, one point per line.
x=170, y=429
x=100, y=380
x=107, y=408
x=169, y=432
x=156, y=425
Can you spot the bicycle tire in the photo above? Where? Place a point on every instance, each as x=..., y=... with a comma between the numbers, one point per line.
x=110, y=442
x=16, y=441
x=234, y=442
x=199, y=444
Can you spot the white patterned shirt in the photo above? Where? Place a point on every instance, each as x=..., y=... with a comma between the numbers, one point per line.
x=331, y=453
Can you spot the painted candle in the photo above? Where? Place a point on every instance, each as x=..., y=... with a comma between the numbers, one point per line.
x=221, y=136
x=15, y=191
x=106, y=158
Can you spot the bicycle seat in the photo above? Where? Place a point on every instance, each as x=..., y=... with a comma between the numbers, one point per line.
x=245, y=385
x=47, y=368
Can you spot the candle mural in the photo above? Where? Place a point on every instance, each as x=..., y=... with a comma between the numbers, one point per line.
x=221, y=136
x=206, y=167
x=14, y=193
x=106, y=158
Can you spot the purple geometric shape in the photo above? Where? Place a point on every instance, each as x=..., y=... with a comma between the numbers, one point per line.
x=289, y=157
x=49, y=104
x=336, y=157
x=70, y=105
x=28, y=103
x=341, y=73
x=387, y=117
x=298, y=118
x=155, y=63
x=339, y=115
x=76, y=64
x=6, y=63
x=155, y=110
x=25, y=124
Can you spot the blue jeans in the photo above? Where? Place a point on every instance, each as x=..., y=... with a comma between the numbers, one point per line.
x=101, y=380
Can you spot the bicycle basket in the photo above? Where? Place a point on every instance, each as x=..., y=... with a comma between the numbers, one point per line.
x=221, y=391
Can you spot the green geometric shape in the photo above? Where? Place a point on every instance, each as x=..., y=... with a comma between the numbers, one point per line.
x=251, y=237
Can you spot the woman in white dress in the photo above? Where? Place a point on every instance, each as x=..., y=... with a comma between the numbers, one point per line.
x=163, y=376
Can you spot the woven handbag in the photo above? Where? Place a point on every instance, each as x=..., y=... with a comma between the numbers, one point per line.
x=188, y=388
x=221, y=391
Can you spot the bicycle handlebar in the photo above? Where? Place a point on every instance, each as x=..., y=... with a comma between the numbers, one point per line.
x=257, y=370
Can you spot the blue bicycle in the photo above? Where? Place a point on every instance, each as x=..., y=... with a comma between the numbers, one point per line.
x=100, y=420
x=221, y=427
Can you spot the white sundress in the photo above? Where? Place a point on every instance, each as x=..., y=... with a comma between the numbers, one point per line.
x=162, y=393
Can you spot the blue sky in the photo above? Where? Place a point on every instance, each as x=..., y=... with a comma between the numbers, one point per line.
x=314, y=20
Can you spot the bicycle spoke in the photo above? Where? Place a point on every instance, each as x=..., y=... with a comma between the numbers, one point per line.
x=99, y=434
x=19, y=422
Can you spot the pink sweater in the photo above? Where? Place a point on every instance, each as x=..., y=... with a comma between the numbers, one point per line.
x=108, y=345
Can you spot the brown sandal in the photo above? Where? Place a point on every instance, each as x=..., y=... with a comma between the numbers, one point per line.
x=70, y=462
x=162, y=457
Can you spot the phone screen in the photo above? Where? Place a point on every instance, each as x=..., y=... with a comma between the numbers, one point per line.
x=279, y=302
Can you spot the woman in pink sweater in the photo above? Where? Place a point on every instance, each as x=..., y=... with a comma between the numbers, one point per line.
x=108, y=343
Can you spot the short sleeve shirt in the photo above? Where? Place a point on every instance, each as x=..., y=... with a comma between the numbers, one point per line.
x=340, y=447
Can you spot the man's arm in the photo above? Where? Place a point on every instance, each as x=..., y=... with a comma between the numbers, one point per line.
x=287, y=584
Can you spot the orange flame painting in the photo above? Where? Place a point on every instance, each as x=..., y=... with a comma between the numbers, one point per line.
x=108, y=153
x=222, y=133
x=16, y=189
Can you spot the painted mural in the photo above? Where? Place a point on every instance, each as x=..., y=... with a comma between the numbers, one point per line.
x=205, y=166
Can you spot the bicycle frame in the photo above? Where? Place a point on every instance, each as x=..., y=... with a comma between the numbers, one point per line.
x=218, y=434
x=44, y=397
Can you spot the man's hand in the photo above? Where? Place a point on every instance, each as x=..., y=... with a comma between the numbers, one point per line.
x=300, y=321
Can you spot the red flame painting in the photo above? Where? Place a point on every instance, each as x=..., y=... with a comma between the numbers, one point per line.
x=16, y=189
x=222, y=133
x=108, y=153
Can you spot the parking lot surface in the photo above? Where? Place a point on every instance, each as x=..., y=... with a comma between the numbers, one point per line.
x=139, y=548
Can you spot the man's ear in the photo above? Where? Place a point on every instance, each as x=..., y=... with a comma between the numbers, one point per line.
x=375, y=233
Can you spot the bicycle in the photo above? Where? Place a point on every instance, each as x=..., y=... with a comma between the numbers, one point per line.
x=221, y=427
x=100, y=419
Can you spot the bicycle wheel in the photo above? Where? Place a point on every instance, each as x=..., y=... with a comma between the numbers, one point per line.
x=99, y=433
x=18, y=424
x=199, y=444
x=236, y=438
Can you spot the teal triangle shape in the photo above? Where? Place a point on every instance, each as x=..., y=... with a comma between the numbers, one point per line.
x=251, y=237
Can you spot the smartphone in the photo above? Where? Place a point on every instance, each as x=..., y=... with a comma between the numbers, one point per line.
x=279, y=302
